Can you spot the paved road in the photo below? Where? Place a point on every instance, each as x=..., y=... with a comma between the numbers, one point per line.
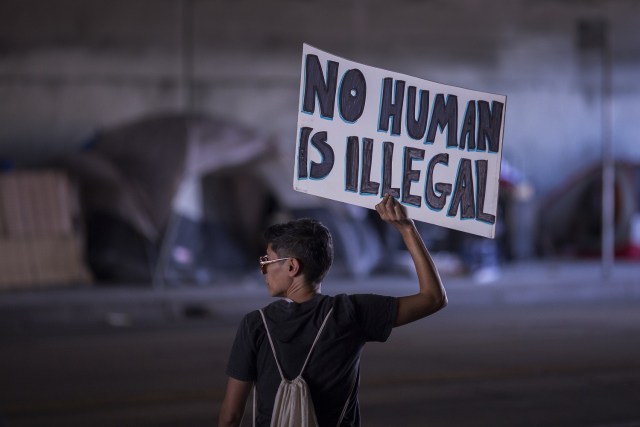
x=542, y=363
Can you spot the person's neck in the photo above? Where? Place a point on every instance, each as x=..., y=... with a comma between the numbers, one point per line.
x=302, y=292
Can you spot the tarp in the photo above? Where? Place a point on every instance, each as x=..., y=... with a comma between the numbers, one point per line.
x=570, y=218
x=163, y=158
x=146, y=172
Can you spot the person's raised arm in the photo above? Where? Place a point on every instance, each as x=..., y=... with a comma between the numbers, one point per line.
x=234, y=401
x=431, y=296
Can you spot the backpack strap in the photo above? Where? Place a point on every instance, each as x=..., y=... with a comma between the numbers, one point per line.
x=324, y=322
x=273, y=348
x=346, y=404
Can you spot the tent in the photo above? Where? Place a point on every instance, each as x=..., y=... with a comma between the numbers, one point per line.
x=136, y=179
x=177, y=198
x=569, y=221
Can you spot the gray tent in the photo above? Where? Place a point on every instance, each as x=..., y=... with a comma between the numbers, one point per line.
x=146, y=173
x=166, y=195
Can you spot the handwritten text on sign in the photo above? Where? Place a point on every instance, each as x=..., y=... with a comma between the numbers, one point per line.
x=364, y=132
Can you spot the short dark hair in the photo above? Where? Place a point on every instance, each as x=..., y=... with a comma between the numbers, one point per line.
x=307, y=240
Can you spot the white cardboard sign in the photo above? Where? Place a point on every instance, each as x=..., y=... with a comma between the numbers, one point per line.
x=364, y=132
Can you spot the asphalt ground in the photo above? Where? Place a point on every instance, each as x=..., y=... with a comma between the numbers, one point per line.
x=133, y=304
x=541, y=344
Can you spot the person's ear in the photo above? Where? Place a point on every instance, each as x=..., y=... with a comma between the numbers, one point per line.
x=294, y=267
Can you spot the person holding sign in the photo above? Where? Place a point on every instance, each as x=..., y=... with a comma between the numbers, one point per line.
x=299, y=254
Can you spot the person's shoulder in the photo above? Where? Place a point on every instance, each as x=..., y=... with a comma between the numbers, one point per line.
x=254, y=318
x=364, y=298
x=250, y=319
x=341, y=299
x=354, y=309
x=351, y=299
x=342, y=304
x=274, y=311
x=359, y=302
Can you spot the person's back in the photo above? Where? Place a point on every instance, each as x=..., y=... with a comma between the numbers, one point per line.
x=299, y=254
x=333, y=368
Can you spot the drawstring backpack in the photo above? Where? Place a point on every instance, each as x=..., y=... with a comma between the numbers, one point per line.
x=293, y=406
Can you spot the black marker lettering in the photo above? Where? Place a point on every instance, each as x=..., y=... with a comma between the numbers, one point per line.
x=411, y=175
x=353, y=94
x=353, y=164
x=321, y=170
x=417, y=128
x=481, y=171
x=490, y=123
x=389, y=109
x=434, y=200
x=366, y=185
x=387, y=171
x=463, y=193
x=468, y=132
x=302, y=152
x=445, y=115
x=315, y=85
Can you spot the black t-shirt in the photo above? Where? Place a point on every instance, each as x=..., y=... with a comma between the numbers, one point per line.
x=332, y=370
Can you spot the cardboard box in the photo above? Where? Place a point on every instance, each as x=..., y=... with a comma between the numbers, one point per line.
x=39, y=262
x=58, y=261
x=15, y=270
x=36, y=204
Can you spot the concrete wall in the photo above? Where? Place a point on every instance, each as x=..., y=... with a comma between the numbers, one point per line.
x=69, y=67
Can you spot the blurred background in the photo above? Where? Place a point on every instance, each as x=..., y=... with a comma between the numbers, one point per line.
x=130, y=128
x=151, y=116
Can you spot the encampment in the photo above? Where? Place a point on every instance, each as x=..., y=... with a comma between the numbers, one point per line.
x=570, y=218
x=184, y=198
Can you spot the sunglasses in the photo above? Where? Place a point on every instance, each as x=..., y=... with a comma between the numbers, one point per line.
x=264, y=261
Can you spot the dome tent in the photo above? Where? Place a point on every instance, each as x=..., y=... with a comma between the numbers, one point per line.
x=184, y=199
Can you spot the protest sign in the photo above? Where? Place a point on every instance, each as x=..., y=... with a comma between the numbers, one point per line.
x=364, y=132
